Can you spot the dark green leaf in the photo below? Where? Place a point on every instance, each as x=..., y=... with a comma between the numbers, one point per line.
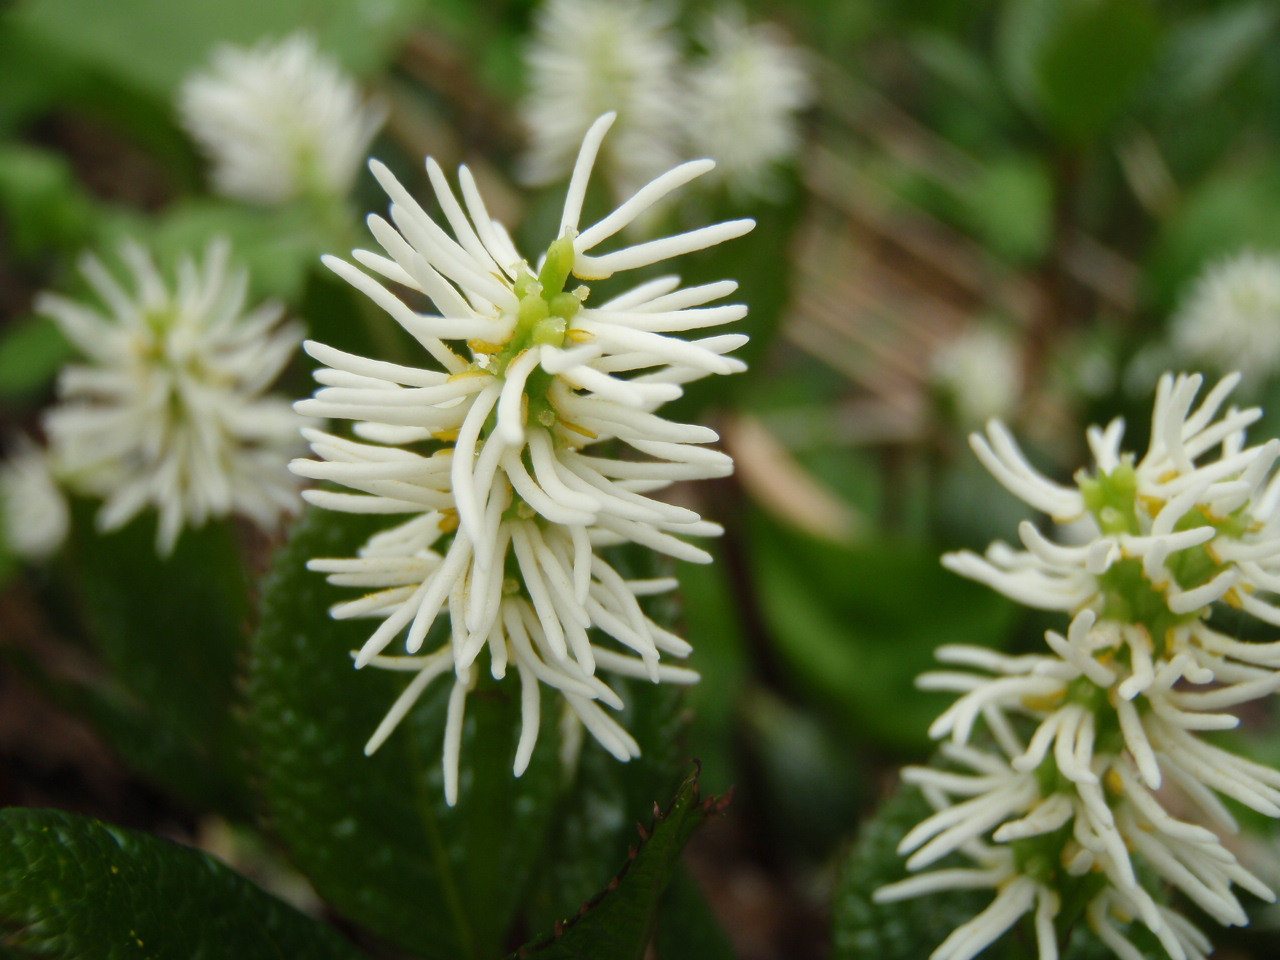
x=687, y=929
x=595, y=820
x=72, y=888
x=172, y=634
x=32, y=74
x=619, y=923
x=711, y=624
x=373, y=833
x=805, y=771
x=910, y=929
x=31, y=352
x=858, y=624
x=1094, y=60
x=594, y=823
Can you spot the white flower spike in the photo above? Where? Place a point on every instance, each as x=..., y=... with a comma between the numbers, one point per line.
x=489, y=455
x=743, y=101
x=170, y=411
x=1064, y=803
x=278, y=121
x=980, y=372
x=1231, y=320
x=36, y=516
x=589, y=56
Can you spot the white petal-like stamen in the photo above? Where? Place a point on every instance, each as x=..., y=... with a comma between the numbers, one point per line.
x=1171, y=537
x=742, y=101
x=34, y=514
x=588, y=56
x=279, y=121
x=510, y=509
x=173, y=413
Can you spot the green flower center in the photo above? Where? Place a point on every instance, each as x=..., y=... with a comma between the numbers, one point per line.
x=545, y=309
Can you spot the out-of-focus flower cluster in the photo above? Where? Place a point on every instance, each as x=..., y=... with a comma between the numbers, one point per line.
x=736, y=103
x=488, y=453
x=278, y=121
x=170, y=409
x=1061, y=813
x=1231, y=318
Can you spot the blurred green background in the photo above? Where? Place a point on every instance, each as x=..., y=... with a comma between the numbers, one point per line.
x=1050, y=175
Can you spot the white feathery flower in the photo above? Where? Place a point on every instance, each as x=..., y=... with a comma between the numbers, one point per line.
x=278, y=121
x=36, y=515
x=170, y=411
x=743, y=98
x=1091, y=729
x=980, y=371
x=507, y=504
x=1231, y=319
x=592, y=56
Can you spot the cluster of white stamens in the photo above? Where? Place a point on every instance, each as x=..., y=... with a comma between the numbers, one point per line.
x=1084, y=735
x=170, y=409
x=502, y=475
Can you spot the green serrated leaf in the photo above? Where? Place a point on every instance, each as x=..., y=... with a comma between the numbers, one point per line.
x=373, y=833
x=71, y=887
x=172, y=633
x=618, y=924
x=909, y=929
x=595, y=820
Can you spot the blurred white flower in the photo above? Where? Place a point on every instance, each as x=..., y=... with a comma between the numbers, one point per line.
x=742, y=101
x=36, y=515
x=980, y=371
x=278, y=121
x=1089, y=731
x=1231, y=320
x=509, y=417
x=170, y=413
x=592, y=56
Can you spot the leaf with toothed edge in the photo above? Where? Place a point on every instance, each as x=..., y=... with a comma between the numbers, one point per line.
x=373, y=833
x=592, y=827
x=618, y=923
x=72, y=887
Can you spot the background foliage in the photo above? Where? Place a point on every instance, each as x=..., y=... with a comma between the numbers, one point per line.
x=1058, y=170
